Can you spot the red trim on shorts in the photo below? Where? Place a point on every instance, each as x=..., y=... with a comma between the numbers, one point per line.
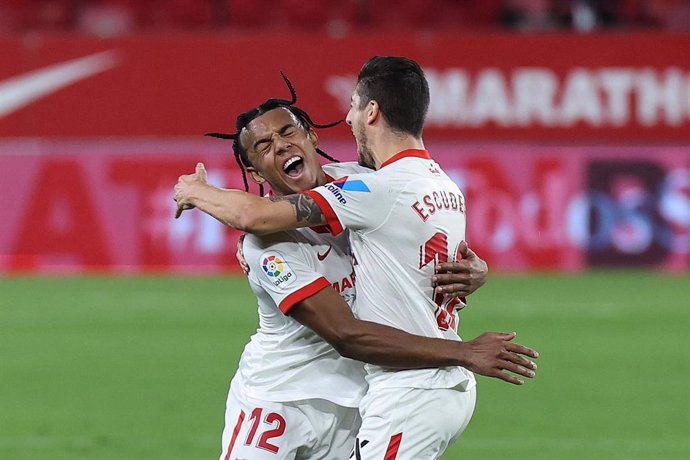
x=393, y=446
x=235, y=432
x=415, y=153
x=302, y=293
x=327, y=210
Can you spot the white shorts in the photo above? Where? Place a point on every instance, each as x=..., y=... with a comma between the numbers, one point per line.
x=308, y=429
x=411, y=423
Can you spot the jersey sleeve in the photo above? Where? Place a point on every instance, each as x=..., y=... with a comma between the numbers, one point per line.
x=360, y=202
x=282, y=269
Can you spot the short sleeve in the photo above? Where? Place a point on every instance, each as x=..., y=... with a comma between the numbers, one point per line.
x=360, y=202
x=282, y=268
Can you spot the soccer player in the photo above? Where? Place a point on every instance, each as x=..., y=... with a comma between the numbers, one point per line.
x=414, y=412
x=293, y=395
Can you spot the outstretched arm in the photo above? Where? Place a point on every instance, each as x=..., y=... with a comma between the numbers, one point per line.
x=491, y=354
x=244, y=211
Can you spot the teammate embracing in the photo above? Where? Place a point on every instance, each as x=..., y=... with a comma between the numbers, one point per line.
x=403, y=219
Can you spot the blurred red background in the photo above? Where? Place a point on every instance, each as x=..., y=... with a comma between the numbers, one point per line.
x=566, y=123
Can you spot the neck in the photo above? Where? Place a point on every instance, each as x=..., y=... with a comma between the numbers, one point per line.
x=390, y=144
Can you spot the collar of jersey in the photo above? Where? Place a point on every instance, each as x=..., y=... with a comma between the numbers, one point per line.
x=415, y=153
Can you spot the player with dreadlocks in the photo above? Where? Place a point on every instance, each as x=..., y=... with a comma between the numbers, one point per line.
x=297, y=389
x=244, y=118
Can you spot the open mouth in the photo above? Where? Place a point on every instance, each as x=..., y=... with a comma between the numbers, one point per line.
x=294, y=166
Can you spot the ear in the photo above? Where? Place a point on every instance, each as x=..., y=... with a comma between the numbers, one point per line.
x=255, y=175
x=313, y=137
x=373, y=112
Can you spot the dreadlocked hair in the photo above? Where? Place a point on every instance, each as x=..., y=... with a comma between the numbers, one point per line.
x=245, y=118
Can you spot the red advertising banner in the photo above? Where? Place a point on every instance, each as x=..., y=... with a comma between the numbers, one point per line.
x=107, y=205
x=560, y=87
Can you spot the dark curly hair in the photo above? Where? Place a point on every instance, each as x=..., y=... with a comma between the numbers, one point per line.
x=245, y=118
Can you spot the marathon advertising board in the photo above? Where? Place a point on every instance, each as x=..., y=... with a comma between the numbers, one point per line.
x=107, y=205
x=555, y=87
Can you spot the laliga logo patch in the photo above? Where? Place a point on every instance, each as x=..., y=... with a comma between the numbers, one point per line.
x=273, y=266
x=276, y=269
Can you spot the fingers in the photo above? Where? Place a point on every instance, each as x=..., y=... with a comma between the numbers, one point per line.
x=508, y=378
x=450, y=268
x=507, y=336
x=462, y=249
x=521, y=349
x=240, y=255
x=453, y=290
x=517, y=369
x=521, y=361
x=201, y=171
x=470, y=254
x=450, y=278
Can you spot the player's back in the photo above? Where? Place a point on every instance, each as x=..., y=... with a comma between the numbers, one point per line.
x=403, y=219
x=424, y=224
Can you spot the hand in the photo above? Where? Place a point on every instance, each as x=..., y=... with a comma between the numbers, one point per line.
x=184, y=187
x=240, y=255
x=461, y=278
x=492, y=353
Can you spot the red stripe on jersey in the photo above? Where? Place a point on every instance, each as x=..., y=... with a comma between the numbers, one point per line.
x=327, y=210
x=235, y=432
x=415, y=153
x=393, y=447
x=302, y=293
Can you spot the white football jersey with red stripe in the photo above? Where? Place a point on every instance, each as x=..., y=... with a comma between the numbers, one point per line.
x=284, y=360
x=403, y=219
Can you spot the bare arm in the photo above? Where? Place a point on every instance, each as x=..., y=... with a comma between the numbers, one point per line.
x=244, y=211
x=327, y=314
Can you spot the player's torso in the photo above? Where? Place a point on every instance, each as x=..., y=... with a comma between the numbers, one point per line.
x=395, y=261
x=424, y=226
x=285, y=360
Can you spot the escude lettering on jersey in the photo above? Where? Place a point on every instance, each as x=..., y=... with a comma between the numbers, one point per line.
x=276, y=269
x=438, y=200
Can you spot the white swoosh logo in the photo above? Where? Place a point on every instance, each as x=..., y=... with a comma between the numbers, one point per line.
x=20, y=91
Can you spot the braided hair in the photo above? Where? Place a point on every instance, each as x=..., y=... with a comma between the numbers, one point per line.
x=245, y=118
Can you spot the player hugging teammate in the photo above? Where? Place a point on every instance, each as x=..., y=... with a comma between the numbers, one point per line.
x=298, y=392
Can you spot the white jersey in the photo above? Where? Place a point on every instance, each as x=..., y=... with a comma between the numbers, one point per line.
x=403, y=219
x=284, y=360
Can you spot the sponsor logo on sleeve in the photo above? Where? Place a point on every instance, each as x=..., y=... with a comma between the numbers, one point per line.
x=336, y=192
x=277, y=269
x=348, y=185
x=354, y=185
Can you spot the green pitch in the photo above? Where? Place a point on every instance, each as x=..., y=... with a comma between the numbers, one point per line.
x=138, y=368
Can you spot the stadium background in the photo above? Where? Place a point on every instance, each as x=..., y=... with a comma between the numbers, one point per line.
x=567, y=123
